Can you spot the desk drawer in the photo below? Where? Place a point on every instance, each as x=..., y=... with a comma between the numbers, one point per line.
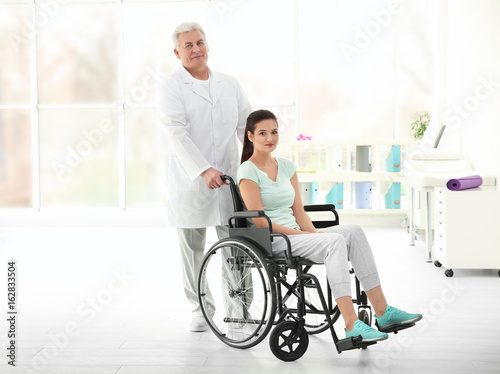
x=440, y=204
x=440, y=239
x=440, y=249
x=439, y=216
x=440, y=194
x=440, y=201
x=440, y=228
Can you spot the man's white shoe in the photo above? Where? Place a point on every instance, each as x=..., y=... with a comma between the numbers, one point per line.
x=198, y=324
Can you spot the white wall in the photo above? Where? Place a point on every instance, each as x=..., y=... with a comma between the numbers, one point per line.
x=473, y=80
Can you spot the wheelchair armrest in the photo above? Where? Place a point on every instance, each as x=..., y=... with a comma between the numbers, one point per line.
x=251, y=214
x=320, y=208
x=323, y=208
x=288, y=254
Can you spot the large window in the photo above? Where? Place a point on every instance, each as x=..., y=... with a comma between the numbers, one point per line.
x=78, y=124
x=16, y=170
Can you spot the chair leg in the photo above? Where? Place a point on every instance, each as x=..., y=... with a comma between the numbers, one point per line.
x=411, y=213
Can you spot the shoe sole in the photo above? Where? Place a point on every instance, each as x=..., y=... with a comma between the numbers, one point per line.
x=374, y=339
x=371, y=339
x=397, y=324
x=198, y=329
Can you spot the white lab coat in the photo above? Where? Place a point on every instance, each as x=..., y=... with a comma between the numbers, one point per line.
x=201, y=131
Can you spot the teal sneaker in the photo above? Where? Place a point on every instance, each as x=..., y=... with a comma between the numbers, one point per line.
x=368, y=333
x=393, y=318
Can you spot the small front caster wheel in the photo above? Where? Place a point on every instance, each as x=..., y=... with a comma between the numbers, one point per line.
x=364, y=316
x=437, y=264
x=285, y=345
x=448, y=273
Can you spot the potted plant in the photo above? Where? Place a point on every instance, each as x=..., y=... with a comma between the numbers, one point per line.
x=419, y=126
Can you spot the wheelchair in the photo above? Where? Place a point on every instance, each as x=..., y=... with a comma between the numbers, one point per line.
x=245, y=291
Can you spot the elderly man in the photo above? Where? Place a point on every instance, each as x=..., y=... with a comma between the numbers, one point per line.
x=204, y=112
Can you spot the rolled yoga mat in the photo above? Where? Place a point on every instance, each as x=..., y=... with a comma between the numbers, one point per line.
x=464, y=183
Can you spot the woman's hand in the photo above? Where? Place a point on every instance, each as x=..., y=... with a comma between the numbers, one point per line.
x=311, y=232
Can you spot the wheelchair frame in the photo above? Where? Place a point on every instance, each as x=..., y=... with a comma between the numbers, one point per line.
x=250, y=258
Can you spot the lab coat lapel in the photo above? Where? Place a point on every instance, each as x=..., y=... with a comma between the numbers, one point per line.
x=199, y=90
x=195, y=86
x=215, y=87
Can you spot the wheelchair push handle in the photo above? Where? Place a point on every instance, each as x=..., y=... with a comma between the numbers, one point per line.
x=227, y=178
x=237, y=201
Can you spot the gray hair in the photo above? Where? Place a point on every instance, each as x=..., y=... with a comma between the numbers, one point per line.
x=186, y=27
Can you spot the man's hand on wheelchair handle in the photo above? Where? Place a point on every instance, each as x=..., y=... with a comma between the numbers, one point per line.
x=212, y=178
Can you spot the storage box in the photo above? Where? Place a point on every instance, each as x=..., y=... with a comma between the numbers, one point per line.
x=363, y=158
x=309, y=192
x=393, y=196
x=363, y=195
x=336, y=196
x=393, y=161
x=337, y=161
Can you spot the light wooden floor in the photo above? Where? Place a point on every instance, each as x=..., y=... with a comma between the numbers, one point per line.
x=109, y=300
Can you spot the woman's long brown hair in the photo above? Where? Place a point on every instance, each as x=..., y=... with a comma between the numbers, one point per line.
x=253, y=119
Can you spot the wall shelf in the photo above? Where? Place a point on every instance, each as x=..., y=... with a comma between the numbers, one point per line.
x=325, y=163
x=350, y=176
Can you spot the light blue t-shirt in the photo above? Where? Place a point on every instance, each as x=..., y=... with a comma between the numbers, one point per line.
x=277, y=197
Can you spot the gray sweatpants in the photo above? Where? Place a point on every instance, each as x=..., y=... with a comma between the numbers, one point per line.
x=334, y=247
x=192, y=243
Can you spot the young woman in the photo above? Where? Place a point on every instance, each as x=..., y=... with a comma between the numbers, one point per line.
x=271, y=184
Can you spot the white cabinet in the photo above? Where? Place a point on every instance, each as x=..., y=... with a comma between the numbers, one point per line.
x=467, y=229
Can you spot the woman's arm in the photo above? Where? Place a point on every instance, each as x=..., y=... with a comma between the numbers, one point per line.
x=250, y=193
x=300, y=214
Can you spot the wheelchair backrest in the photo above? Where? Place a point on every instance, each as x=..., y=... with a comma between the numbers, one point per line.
x=238, y=204
x=244, y=228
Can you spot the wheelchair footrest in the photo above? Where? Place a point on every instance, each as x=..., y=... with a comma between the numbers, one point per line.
x=242, y=320
x=396, y=328
x=355, y=342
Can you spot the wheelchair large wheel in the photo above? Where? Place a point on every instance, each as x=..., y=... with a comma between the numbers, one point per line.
x=315, y=315
x=315, y=320
x=237, y=293
x=285, y=345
